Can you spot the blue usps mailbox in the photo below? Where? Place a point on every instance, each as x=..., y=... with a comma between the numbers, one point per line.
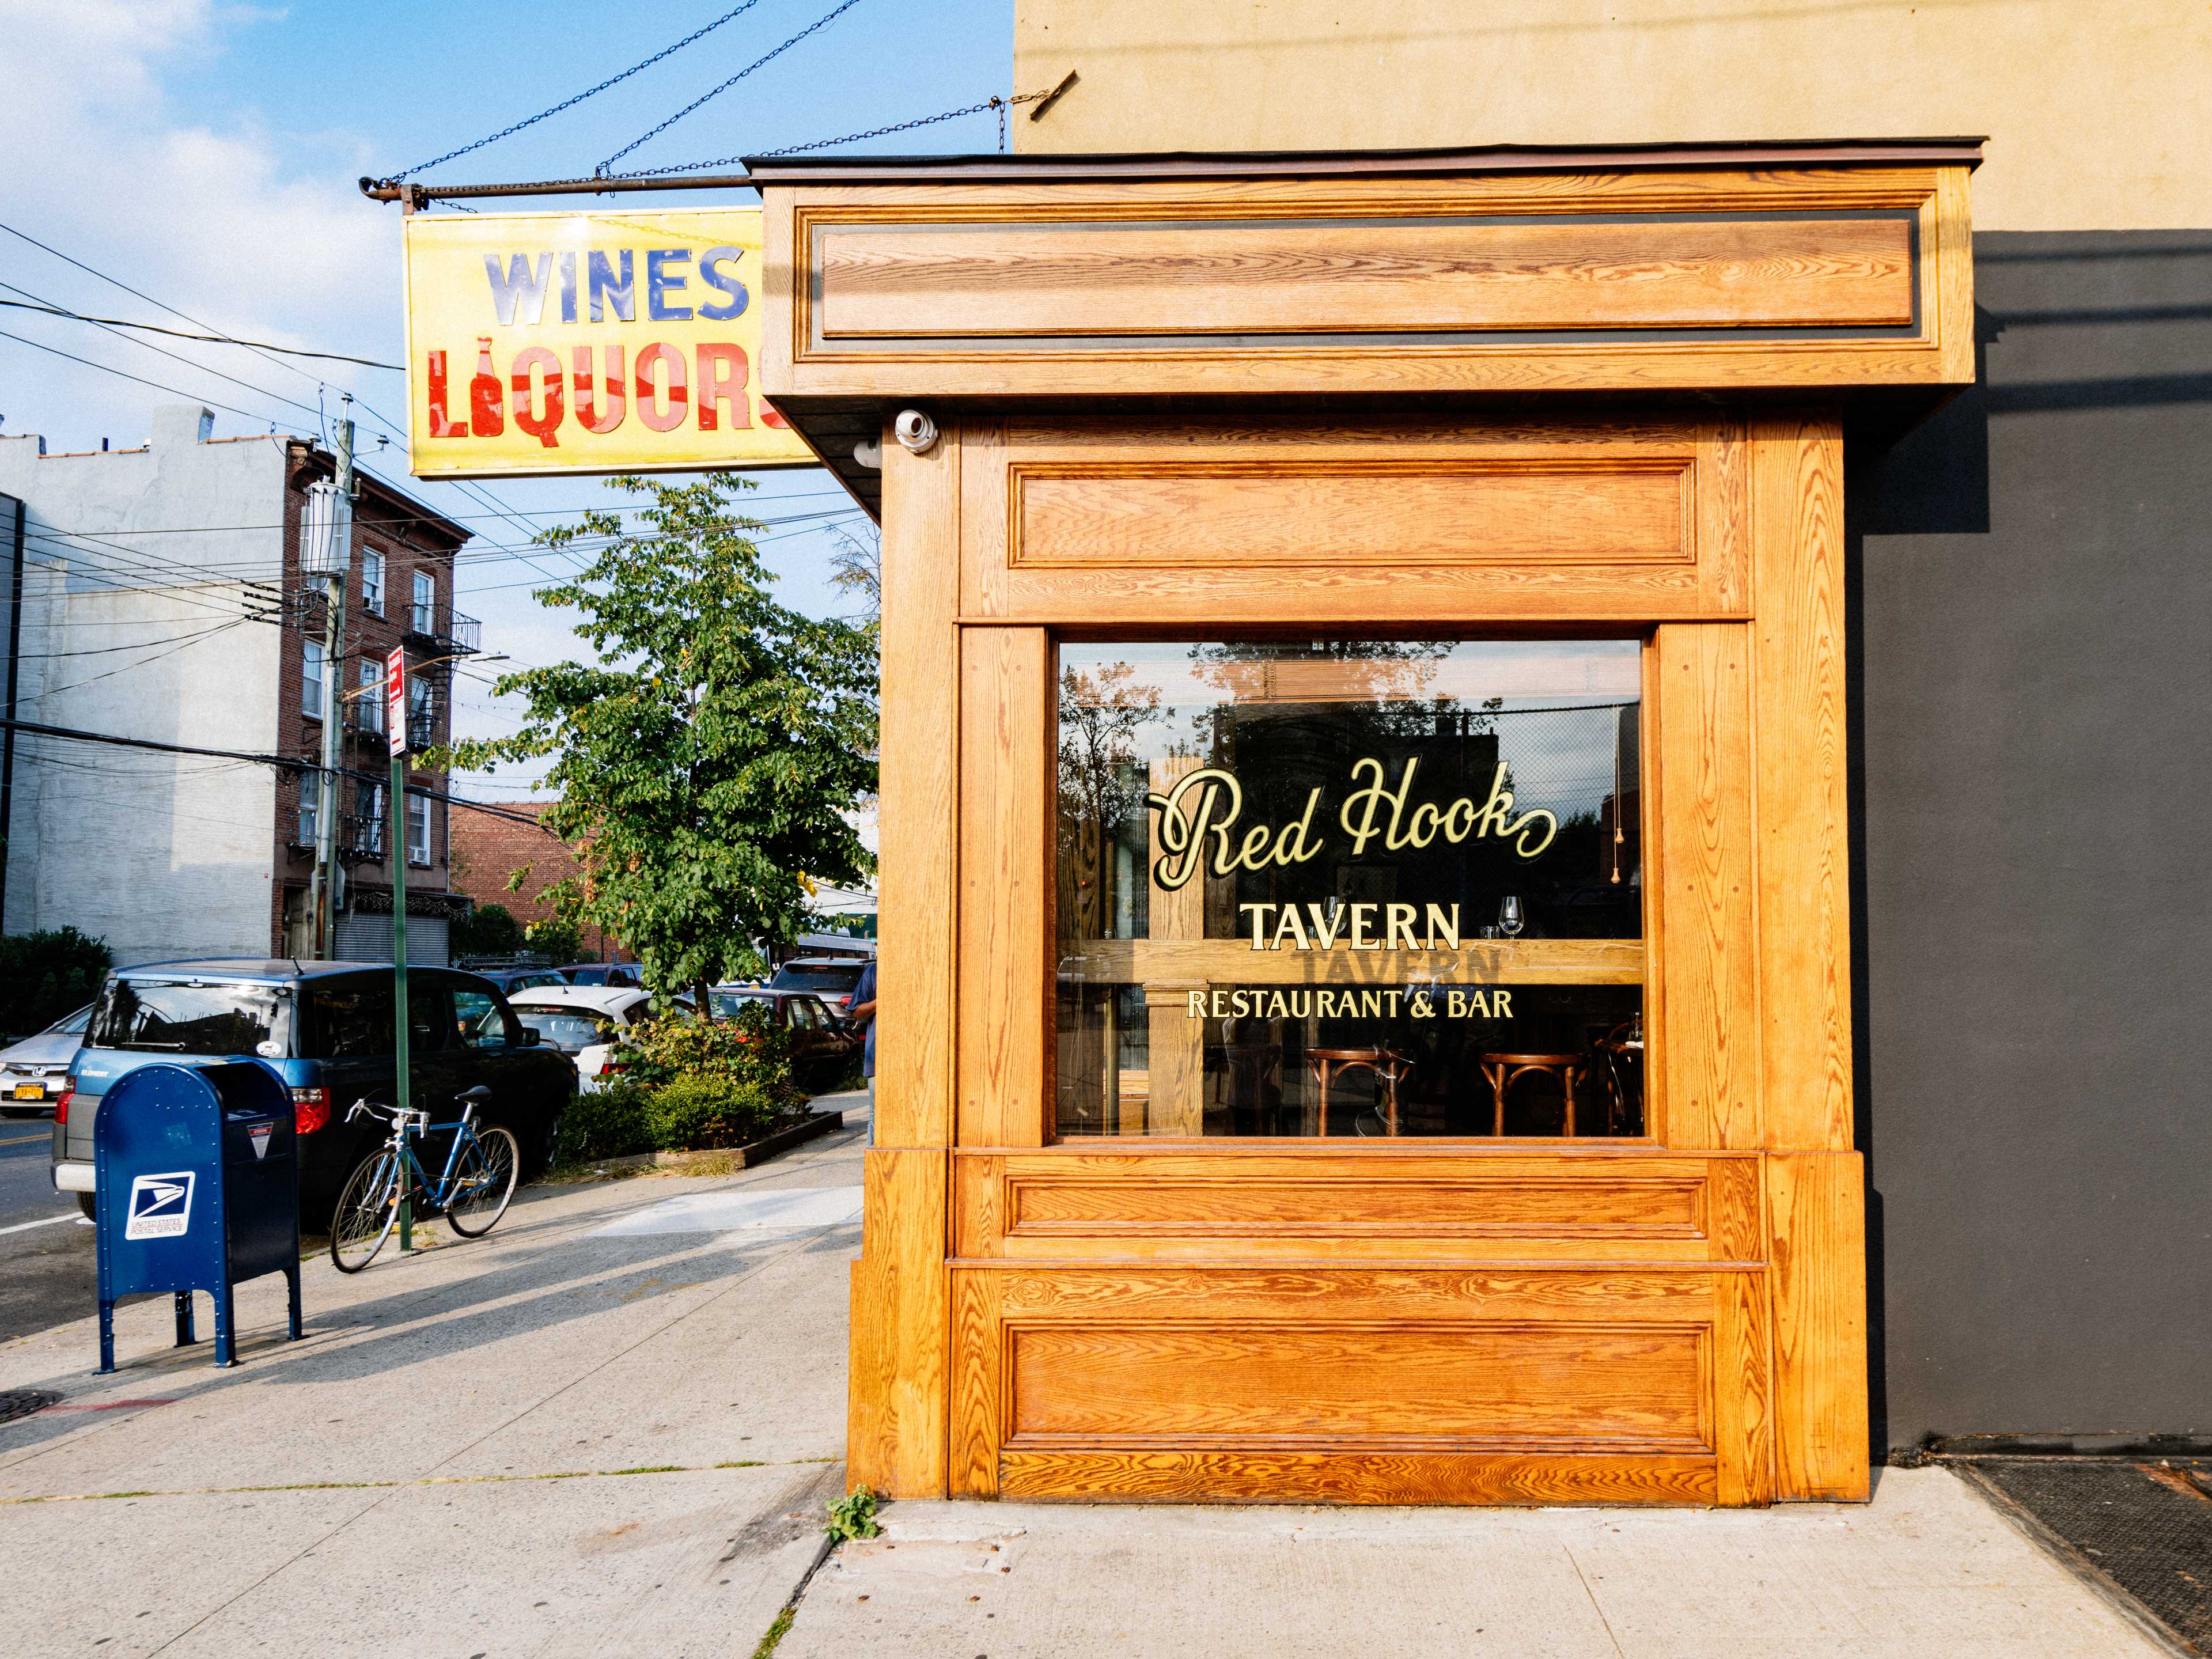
x=197, y=1174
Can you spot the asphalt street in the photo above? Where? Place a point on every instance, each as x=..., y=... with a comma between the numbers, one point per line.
x=46, y=1247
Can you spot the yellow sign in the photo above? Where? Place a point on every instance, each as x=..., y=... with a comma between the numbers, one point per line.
x=609, y=342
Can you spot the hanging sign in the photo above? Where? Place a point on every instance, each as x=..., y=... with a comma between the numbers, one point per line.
x=619, y=341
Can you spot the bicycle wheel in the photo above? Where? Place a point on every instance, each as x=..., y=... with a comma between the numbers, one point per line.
x=483, y=1182
x=367, y=1207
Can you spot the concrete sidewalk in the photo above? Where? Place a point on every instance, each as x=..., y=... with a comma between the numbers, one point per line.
x=1928, y=1570
x=609, y=1428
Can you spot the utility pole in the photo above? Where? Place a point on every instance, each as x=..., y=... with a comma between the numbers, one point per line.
x=336, y=569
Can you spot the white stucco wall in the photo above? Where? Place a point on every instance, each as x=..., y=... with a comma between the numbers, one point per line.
x=152, y=550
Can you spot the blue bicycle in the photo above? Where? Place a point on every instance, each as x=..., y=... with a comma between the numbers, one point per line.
x=471, y=1191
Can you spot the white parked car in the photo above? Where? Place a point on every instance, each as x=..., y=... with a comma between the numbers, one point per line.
x=31, y=1072
x=585, y=1023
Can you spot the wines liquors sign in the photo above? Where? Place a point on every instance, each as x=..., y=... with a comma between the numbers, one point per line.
x=610, y=341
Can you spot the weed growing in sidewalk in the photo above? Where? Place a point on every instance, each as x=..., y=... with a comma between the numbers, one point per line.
x=853, y=1517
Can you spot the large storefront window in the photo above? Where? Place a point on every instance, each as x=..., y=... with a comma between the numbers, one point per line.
x=1350, y=888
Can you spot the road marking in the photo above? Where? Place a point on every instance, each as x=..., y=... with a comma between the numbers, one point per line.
x=25, y=1140
x=44, y=1221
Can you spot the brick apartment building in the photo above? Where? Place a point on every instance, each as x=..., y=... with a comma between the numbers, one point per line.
x=486, y=851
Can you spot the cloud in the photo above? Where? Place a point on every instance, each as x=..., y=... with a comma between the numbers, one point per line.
x=213, y=218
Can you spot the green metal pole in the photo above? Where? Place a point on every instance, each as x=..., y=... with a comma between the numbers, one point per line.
x=399, y=855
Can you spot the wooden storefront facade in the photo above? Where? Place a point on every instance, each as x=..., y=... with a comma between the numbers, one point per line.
x=1571, y=403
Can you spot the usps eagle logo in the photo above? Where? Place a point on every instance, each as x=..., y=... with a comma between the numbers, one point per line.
x=161, y=1205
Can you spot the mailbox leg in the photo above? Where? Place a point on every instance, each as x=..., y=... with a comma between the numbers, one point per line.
x=223, y=1323
x=292, y=1278
x=184, y=1337
x=107, y=1336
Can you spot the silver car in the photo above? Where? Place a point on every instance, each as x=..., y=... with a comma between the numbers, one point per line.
x=32, y=1071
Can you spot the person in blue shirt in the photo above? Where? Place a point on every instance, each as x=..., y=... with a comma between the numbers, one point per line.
x=863, y=1012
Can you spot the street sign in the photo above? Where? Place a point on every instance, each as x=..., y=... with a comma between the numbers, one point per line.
x=395, y=700
x=621, y=341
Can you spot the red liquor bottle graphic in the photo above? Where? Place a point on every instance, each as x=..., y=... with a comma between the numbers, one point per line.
x=486, y=398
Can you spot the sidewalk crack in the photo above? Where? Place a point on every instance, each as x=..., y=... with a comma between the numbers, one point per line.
x=1592, y=1594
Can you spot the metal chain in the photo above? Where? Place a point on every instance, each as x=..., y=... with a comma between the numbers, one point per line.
x=1002, y=105
x=505, y=132
x=823, y=21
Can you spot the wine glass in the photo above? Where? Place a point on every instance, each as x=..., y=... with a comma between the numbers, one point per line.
x=1510, y=918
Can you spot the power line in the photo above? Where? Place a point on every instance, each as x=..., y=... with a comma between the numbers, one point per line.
x=283, y=763
x=148, y=345
x=821, y=22
x=179, y=334
x=570, y=103
x=132, y=667
x=229, y=408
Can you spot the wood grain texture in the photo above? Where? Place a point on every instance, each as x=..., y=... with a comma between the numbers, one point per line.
x=1446, y=1386
x=897, y=1415
x=1005, y=987
x=1712, y=355
x=1948, y=227
x=1803, y=787
x=1311, y=1293
x=1091, y=279
x=1353, y=1205
x=1231, y=1204
x=1231, y=961
x=1246, y=1477
x=901, y=1289
x=1708, y=1047
x=977, y=1430
x=1741, y=1394
x=1624, y=510
x=918, y=867
x=1272, y=523
x=1444, y=1373
x=1819, y=1289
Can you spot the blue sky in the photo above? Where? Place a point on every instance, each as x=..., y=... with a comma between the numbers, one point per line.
x=206, y=153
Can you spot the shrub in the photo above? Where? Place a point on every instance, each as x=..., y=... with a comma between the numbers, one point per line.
x=610, y=1123
x=47, y=975
x=702, y=1110
x=489, y=930
x=560, y=942
x=743, y=1048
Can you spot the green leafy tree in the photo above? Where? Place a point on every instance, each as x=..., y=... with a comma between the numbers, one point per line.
x=707, y=763
x=557, y=939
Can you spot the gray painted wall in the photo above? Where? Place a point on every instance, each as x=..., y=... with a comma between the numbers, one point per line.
x=2033, y=594
x=134, y=622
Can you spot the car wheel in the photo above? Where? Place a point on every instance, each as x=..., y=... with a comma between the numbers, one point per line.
x=89, y=1204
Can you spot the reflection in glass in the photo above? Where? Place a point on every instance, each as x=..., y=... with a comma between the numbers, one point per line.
x=1278, y=863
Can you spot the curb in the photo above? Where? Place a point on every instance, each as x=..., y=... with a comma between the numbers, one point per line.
x=745, y=1157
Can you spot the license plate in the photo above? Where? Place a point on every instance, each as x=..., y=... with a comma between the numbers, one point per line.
x=30, y=1092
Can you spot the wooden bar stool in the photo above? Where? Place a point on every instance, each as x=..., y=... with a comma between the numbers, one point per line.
x=1389, y=1068
x=1504, y=1070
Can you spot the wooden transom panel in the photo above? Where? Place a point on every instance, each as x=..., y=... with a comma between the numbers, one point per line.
x=1098, y=525
x=1456, y=274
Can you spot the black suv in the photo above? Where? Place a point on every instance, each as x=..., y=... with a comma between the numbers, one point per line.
x=326, y=1027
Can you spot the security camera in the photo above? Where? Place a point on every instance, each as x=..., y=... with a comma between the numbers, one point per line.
x=914, y=430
